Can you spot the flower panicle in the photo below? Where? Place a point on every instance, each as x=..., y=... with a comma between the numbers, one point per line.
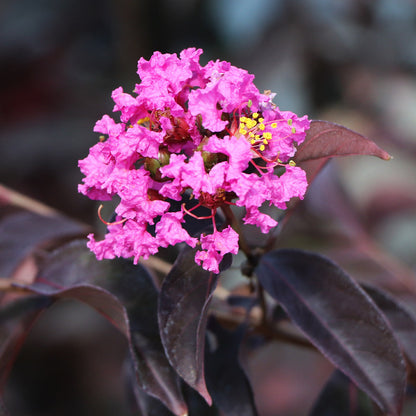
x=190, y=130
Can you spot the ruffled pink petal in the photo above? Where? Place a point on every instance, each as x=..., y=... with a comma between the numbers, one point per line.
x=263, y=221
x=170, y=232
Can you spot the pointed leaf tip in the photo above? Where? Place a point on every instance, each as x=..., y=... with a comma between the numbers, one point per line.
x=184, y=299
x=325, y=139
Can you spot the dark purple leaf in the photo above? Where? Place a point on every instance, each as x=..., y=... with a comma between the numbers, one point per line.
x=141, y=403
x=401, y=320
x=22, y=232
x=340, y=319
x=149, y=406
x=325, y=139
x=183, y=303
x=342, y=398
x=126, y=296
x=16, y=319
x=312, y=169
x=197, y=405
x=226, y=380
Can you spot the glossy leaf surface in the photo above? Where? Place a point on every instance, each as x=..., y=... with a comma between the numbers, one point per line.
x=340, y=319
x=183, y=304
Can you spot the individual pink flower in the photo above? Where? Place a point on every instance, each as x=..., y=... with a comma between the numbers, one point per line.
x=191, y=131
x=255, y=217
x=215, y=246
x=129, y=239
x=170, y=232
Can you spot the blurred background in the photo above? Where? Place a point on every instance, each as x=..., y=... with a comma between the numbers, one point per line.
x=352, y=62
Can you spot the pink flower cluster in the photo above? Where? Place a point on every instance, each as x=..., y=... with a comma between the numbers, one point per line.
x=201, y=130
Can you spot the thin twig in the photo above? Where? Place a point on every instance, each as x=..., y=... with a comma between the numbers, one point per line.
x=8, y=196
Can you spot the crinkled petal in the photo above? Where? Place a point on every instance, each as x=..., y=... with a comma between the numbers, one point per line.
x=238, y=150
x=124, y=103
x=209, y=260
x=251, y=190
x=169, y=230
x=192, y=130
x=124, y=240
x=107, y=125
x=281, y=189
x=135, y=201
x=225, y=241
x=261, y=220
x=215, y=246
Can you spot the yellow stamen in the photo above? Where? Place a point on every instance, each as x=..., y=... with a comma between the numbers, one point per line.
x=251, y=123
x=274, y=125
x=265, y=141
x=267, y=135
x=293, y=130
x=262, y=126
x=261, y=119
x=243, y=130
x=262, y=147
x=255, y=115
x=143, y=120
x=253, y=141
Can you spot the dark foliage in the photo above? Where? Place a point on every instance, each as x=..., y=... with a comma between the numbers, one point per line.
x=184, y=349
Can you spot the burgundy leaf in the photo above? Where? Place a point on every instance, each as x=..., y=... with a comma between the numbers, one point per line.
x=342, y=398
x=22, y=231
x=183, y=304
x=312, y=168
x=340, y=319
x=401, y=320
x=141, y=403
x=226, y=380
x=125, y=294
x=325, y=139
x=16, y=319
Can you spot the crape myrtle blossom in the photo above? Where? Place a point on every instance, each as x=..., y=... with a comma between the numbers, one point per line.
x=201, y=130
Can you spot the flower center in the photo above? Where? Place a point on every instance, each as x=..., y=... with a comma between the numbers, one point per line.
x=213, y=201
x=259, y=132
